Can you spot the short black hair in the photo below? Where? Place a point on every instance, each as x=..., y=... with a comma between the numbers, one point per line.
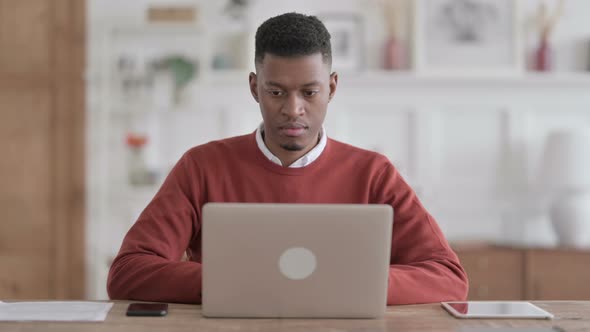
x=292, y=34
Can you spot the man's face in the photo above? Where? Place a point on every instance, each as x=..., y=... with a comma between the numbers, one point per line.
x=293, y=94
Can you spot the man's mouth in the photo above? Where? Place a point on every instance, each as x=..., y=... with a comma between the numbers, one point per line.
x=293, y=130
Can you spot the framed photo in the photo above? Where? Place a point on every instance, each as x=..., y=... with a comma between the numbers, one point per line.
x=346, y=38
x=467, y=37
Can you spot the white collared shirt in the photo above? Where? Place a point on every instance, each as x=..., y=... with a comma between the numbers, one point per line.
x=307, y=159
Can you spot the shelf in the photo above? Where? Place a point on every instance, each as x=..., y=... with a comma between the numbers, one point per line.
x=239, y=78
x=529, y=78
x=236, y=80
x=382, y=77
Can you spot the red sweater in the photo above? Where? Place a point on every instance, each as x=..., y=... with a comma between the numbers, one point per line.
x=149, y=267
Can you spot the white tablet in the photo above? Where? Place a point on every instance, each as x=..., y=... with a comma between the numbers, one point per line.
x=495, y=309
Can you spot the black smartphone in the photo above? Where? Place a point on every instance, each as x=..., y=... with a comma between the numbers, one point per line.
x=147, y=309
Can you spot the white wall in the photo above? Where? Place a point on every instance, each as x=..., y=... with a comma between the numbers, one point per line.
x=470, y=147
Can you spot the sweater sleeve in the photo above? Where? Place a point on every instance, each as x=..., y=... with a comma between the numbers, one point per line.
x=423, y=267
x=148, y=266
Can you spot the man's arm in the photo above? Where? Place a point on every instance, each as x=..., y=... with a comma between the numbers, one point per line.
x=148, y=266
x=424, y=269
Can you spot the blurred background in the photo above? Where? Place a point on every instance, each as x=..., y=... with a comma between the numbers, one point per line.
x=483, y=106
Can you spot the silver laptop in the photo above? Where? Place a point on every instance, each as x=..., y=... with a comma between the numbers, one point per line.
x=295, y=260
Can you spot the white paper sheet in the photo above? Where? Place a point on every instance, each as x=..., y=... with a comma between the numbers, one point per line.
x=70, y=311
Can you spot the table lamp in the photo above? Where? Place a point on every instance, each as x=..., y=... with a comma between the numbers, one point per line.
x=565, y=172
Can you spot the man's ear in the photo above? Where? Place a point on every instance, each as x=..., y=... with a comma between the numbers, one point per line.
x=333, y=85
x=253, y=80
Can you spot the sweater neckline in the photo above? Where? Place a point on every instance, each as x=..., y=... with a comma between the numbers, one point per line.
x=275, y=168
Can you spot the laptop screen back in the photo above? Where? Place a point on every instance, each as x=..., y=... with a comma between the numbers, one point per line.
x=295, y=260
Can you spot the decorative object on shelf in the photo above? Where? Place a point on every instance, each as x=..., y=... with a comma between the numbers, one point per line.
x=542, y=57
x=565, y=172
x=146, y=57
x=183, y=70
x=232, y=42
x=346, y=37
x=230, y=51
x=174, y=14
x=236, y=9
x=393, y=49
x=133, y=78
x=221, y=61
x=467, y=37
x=138, y=172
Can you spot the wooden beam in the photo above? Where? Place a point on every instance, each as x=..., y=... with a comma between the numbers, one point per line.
x=69, y=141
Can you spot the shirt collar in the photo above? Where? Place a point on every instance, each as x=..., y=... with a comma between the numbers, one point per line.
x=305, y=160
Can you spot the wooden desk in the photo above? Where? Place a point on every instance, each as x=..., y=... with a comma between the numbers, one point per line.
x=571, y=316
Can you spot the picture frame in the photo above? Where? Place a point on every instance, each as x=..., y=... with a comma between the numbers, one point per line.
x=467, y=38
x=347, y=40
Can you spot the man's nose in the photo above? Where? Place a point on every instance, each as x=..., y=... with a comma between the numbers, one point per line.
x=294, y=106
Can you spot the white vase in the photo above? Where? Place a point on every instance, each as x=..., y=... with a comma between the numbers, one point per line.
x=570, y=216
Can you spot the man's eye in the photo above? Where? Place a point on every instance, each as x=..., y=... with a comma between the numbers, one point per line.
x=310, y=93
x=275, y=93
